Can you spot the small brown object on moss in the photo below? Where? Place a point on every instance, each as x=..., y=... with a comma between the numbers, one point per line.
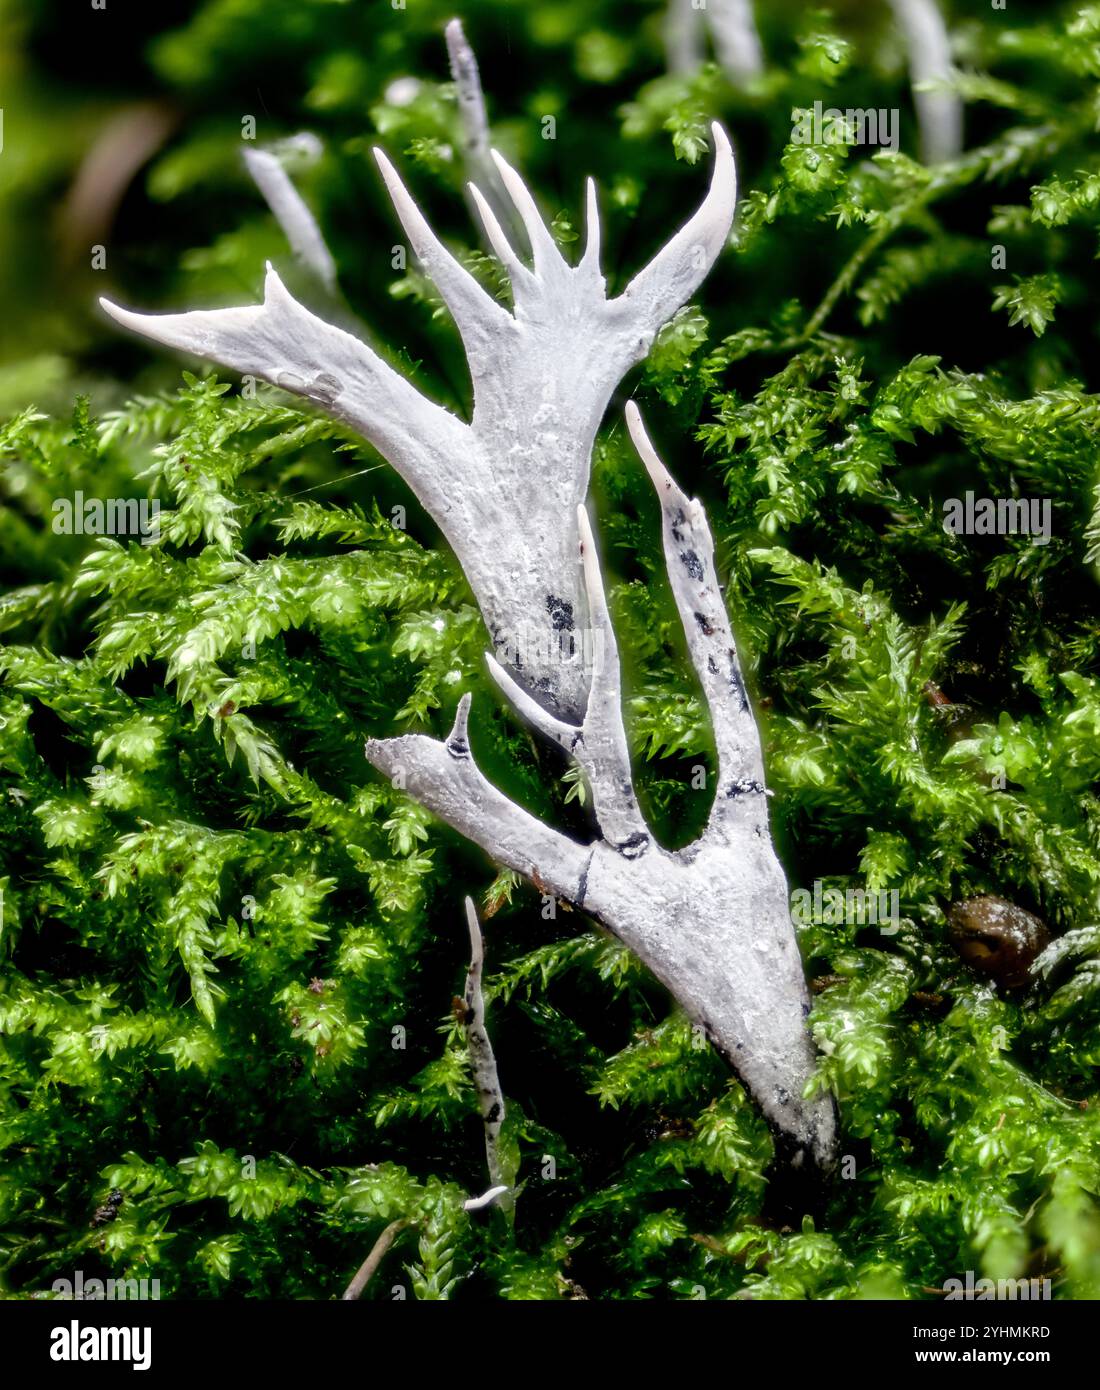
x=997, y=939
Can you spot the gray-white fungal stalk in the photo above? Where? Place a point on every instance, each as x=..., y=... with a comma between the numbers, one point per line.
x=504, y=487
x=298, y=223
x=939, y=111
x=733, y=30
x=711, y=921
x=483, y=1067
x=477, y=149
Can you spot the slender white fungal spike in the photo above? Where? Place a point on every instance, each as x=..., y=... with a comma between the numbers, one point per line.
x=502, y=247
x=736, y=39
x=295, y=218
x=591, y=258
x=458, y=740
x=544, y=249
x=602, y=749
x=939, y=113
x=605, y=657
x=565, y=735
x=467, y=80
x=477, y=315
x=483, y=1067
x=658, y=473
x=689, y=557
x=475, y=127
x=680, y=267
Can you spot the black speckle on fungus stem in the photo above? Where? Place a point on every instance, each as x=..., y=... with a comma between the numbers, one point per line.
x=744, y=785
x=634, y=846
x=692, y=564
x=561, y=613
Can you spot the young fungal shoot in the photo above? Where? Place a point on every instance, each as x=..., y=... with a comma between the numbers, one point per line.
x=740, y=55
x=483, y=1070
x=732, y=26
x=294, y=217
x=939, y=110
x=711, y=921
x=476, y=141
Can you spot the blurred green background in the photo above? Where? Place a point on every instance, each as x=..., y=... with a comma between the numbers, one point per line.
x=123, y=129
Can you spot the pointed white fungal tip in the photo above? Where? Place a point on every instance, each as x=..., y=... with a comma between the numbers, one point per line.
x=636, y=426
x=260, y=162
x=722, y=146
x=591, y=257
x=402, y=200
x=477, y=950
x=547, y=257
x=180, y=331
x=518, y=191
x=659, y=474
x=276, y=295
x=725, y=167
x=681, y=265
x=462, y=717
x=502, y=248
x=584, y=526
